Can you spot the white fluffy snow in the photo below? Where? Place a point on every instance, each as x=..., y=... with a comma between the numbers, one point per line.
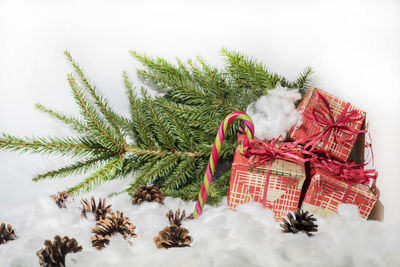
x=274, y=114
x=222, y=237
x=350, y=45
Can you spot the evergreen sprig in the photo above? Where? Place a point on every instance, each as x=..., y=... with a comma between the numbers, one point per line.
x=170, y=136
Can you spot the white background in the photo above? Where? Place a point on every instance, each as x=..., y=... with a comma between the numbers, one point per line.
x=353, y=47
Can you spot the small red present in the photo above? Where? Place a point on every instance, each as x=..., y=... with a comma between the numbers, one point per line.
x=262, y=175
x=334, y=183
x=329, y=124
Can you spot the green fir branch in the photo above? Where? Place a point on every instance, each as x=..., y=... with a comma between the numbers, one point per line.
x=142, y=132
x=181, y=174
x=75, y=123
x=69, y=146
x=171, y=135
x=93, y=120
x=304, y=80
x=77, y=168
x=99, y=100
x=106, y=173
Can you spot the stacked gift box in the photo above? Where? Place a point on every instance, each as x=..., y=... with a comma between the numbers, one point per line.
x=312, y=171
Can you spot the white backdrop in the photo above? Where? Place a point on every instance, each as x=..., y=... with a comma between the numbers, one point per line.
x=353, y=47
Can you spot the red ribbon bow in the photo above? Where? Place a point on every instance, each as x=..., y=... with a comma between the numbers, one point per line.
x=323, y=116
x=267, y=152
x=349, y=171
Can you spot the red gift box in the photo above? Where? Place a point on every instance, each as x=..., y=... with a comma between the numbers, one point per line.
x=329, y=124
x=325, y=192
x=275, y=184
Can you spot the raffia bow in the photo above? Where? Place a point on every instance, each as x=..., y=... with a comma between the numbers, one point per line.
x=350, y=172
x=323, y=116
x=259, y=152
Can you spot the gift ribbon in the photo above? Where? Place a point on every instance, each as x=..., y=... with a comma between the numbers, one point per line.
x=323, y=116
x=350, y=172
x=268, y=152
x=212, y=163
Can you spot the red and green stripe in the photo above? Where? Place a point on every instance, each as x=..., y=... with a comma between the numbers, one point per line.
x=212, y=163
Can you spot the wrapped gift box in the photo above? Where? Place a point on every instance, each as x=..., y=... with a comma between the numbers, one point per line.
x=278, y=190
x=325, y=192
x=319, y=116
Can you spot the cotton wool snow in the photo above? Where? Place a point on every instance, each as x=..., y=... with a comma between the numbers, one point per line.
x=274, y=114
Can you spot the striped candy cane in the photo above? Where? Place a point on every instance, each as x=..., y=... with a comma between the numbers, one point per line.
x=212, y=163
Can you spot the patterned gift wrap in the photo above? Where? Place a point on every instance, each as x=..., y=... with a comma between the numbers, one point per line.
x=279, y=192
x=338, y=150
x=325, y=193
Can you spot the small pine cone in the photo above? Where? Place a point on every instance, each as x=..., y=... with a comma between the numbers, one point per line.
x=53, y=254
x=7, y=233
x=173, y=236
x=100, y=241
x=100, y=210
x=301, y=221
x=148, y=193
x=60, y=198
x=177, y=218
x=113, y=223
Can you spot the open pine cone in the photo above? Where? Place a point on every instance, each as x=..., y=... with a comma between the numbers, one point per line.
x=301, y=221
x=113, y=223
x=60, y=198
x=177, y=218
x=100, y=210
x=173, y=236
x=148, y=193
x=53, y=254
x=7, y=233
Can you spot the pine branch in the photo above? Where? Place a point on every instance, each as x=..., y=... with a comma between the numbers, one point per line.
x=218, y=190
x=177, y=84
x=93, y=120
x=106, y=173
x=248, y=73
x=77, y=168
x=162, y=153
x=100, y=101
x=172, y=135
x=74, y=123
x=78, y=146
x=181, y=174
x=182, y=139
x=159, y=127
x=303, y=81
x=140, y=129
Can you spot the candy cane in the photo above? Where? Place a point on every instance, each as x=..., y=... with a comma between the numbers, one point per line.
x=212, y=163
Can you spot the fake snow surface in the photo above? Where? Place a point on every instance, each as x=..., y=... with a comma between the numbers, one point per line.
x=274, y=114
x=222, y=237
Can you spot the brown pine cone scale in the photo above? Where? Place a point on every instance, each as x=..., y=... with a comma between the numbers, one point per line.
x=300, y=221
x=177, y=218
x=61, y=198
x=148, y=193
x=7, y=233
x=53, y=254
x=111, y=224
x=173, y=236
x=99, y=210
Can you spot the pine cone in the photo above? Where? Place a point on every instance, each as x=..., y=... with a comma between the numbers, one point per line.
x=60, y=198
x=113, y=223
x=173, y=236
x=53, y=254
x=302, y=221
x=177, y=218
x=148, y=193
x=6, y=233
x=100, y=210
